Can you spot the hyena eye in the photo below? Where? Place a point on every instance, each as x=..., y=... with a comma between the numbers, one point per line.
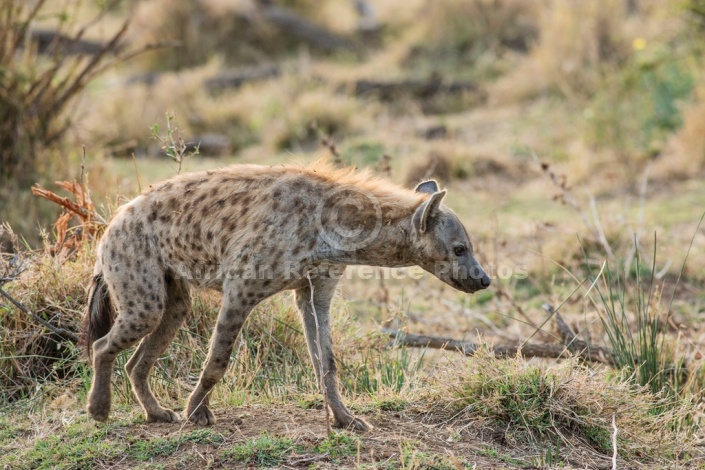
x=460, y=250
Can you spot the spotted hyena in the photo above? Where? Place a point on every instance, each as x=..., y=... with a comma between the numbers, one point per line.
x=252, y=231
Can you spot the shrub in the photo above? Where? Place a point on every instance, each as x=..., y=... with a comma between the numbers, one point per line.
x=468, y=36
x=36, y=90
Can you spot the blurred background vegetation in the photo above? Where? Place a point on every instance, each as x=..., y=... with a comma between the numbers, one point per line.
x=458, y=89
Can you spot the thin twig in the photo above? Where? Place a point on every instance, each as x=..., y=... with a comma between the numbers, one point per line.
x=59, y=331
x=501, y=292
x=83, y=169
x=598, y=228
x=614, y=443
x=576, y=345
x=137, y=173
x=567, y=197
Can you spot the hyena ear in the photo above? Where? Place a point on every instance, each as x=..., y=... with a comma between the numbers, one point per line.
x=425, y=212
x=428, y=187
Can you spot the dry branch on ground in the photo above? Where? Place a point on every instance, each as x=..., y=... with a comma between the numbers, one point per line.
x=570, y=344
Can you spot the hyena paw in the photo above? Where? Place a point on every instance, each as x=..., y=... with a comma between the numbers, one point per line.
x=163, y=415
x=201, y=416
x=98, y=409
x=352, y=423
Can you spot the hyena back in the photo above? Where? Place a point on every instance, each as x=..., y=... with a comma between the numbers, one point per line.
x=250, y=232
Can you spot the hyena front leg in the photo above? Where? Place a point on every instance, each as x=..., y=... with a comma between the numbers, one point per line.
x=237, y=305
x=323, y=290
x=138, y=368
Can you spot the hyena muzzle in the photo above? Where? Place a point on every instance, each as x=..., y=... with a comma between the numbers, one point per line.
x=252, y=231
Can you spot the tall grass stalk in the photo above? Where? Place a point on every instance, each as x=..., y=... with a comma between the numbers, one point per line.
x=642, y=350
x=639, y=351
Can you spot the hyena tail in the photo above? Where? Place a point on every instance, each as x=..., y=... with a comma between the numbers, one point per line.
x=99, y=314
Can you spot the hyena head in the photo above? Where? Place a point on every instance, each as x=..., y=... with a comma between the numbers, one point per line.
x=442, y=245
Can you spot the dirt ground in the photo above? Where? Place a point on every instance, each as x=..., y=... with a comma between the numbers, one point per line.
x=435, y=445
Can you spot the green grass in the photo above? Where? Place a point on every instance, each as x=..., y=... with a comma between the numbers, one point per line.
x=339, y=444
x=148, y=450
x=266, y=450
x=494, y=453
x=78, y=445
x=413, y=458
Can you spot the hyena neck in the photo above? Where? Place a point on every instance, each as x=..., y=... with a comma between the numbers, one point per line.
x=388, y=244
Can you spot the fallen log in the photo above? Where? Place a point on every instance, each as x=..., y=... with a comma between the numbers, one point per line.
x=391, y=90
x=235, y=78
x=302, y=29
x=50, y=42
x=470, y=349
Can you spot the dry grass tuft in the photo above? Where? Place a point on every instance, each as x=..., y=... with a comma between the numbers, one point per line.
x=565, y=406
x=53, y=288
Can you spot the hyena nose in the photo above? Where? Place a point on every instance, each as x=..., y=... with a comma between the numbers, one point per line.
x=485, y=281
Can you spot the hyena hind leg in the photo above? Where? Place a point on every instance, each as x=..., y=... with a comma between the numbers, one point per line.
x=152, y=346
x=134, y=320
